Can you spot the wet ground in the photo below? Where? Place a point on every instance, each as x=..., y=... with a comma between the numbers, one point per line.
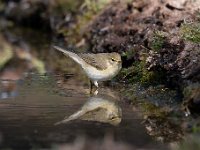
x=28, y=115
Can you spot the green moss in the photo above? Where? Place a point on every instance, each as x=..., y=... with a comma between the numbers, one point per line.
x=190, y=32
x=158, y=40
x=96, y=6
x=129, y=53
x=68, y=5
x=139, y=73
x=196, y=128
x=152, y=110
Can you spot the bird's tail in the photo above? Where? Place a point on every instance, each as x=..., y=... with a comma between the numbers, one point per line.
x=72, y=117
x=74, y=56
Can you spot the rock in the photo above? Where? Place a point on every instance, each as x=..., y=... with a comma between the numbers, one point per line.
x=191, y=101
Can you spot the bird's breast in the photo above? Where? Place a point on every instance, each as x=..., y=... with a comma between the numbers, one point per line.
x=102, y=75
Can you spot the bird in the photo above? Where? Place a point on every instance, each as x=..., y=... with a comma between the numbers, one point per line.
x=98, y=67
x=99, y=109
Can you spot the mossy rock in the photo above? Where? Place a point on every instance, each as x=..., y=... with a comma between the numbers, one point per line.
x=138, y=72
x=190, y=32
x=158, y=40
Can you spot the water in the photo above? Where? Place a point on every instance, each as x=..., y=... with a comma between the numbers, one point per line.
x=27, y=118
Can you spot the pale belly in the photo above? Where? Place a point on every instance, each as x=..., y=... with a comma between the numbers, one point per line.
x=101, y=75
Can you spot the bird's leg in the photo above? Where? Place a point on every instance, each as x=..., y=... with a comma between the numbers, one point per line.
x=91, y=87
x=96, y=84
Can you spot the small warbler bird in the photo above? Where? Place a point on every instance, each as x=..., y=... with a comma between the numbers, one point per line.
x=98, y=109
x=98, y=67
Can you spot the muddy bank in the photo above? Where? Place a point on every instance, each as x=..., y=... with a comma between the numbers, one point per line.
x=159, y=42
x=163, y=35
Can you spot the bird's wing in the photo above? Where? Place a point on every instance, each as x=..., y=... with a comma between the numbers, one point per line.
x=95, y=60
x=90, y=59
x=74, y=56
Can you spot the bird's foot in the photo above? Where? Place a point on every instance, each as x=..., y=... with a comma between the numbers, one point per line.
x=96, y=92
x=93, y=90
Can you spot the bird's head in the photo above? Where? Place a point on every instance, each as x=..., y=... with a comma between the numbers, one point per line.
x=115, y=58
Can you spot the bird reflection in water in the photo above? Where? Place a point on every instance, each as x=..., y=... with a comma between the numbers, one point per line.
x=98, y=109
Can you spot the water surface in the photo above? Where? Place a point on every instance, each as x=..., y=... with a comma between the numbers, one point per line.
x=27, y=118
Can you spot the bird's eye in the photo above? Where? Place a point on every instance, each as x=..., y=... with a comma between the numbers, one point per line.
x=112, y=59
x=112, y=117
